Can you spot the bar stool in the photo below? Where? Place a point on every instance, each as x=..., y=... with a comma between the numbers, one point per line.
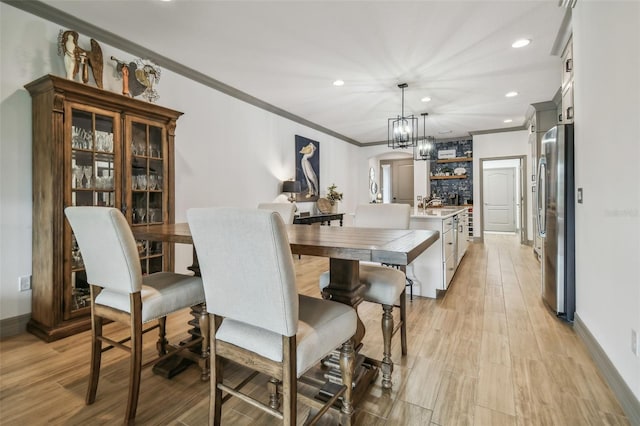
x=383, y=284
x=286, y=210
x=259, y=320
x=120, y=293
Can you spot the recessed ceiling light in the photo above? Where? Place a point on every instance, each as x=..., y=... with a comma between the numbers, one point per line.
x=338, y=83
x=508, y=120
x=444, y=132
x=521, y=43
x=425, y=99
x=511, y=94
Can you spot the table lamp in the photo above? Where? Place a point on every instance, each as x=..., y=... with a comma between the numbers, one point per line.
x=292, y=187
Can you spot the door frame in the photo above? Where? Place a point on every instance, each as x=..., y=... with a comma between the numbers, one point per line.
x=523, y=195
x=514, y=202
x=391, y=162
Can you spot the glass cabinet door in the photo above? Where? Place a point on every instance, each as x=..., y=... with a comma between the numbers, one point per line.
x=146, y=161
x=93, y=176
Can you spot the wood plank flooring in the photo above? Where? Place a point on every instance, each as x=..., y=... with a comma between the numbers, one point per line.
x=487, y=353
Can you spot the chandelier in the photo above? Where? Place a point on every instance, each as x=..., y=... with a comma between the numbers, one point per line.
x=424, y=147
x=402, y=131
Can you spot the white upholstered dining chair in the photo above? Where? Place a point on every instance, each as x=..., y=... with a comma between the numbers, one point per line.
x=286, y=210
x=258, y=319
x=119, y=292
x=383, y=284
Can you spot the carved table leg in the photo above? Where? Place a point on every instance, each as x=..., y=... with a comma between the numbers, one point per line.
x=345, y=288
x=204, y=347
x=387, y=331
x=347, y=366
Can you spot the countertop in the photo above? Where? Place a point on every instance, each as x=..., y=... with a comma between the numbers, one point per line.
x=437, y=212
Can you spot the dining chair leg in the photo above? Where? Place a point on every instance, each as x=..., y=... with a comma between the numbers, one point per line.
x=387, y=332
x=162, y=343
x=347, y=368
x=135, y=369
x=410, y=285
x=96, y=357
x=274, y=398
x=403, y=323
x=289, y=381
x=215, y=378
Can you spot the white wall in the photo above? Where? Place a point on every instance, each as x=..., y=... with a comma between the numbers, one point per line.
x=606, y=46
x=227, y=152
x=495, y=145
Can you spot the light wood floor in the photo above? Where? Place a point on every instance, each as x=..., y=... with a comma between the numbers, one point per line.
x=487, y=353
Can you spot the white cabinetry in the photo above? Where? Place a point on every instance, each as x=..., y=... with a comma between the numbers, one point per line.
x=567, y=84
x=433, y=270
x=463, y=238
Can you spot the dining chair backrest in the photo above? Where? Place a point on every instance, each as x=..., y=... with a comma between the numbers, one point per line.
x=392, y=216
x=286, y=210
x=108, y=248
x=246, y=266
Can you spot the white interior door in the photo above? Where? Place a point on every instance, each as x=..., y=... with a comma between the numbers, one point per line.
x=402, y=181
x=499, y=199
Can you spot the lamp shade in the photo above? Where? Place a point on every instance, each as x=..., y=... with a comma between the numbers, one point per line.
x=292, y=186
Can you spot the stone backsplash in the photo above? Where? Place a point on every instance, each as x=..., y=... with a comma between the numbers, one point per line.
x=446, y=188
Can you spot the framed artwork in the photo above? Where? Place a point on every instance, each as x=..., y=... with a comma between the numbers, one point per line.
x=308, y=169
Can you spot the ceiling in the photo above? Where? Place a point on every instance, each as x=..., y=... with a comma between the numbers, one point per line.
x=288, y=53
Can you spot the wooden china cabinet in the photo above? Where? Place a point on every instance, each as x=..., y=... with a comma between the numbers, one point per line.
x=92, y=147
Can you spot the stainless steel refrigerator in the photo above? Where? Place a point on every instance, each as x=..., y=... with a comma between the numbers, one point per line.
x=556, y=220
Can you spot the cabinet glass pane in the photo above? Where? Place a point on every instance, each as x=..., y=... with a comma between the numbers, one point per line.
x=81, y=130
x=93, y=173
x=147, y=174
x=139, y=139
x=79, y=284
x=148, y=202
x=155, y=142
x=155, y=264
x=151, y=259
x=140, y=207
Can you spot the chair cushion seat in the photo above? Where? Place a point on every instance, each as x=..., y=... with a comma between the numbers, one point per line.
x=162, y=293
x=323, y=326
x=383, y=284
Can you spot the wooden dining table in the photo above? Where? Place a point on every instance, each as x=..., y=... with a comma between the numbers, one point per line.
x=345, y=247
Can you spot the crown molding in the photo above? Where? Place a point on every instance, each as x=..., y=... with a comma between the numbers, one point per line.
x=52, y=14
x=502, y=130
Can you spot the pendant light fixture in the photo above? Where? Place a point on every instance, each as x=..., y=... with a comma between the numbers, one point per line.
x=402, y=131
x=424, y=147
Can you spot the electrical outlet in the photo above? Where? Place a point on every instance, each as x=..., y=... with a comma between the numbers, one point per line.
x=579, y=195
x=25, y=283
x=634, y=342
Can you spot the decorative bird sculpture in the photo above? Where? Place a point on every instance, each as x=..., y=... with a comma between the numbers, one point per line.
x=138, y=78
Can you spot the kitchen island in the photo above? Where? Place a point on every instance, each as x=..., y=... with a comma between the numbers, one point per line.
x=433, y=270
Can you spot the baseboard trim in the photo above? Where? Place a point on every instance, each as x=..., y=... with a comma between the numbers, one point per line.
x=14, y=325
x=628, y=401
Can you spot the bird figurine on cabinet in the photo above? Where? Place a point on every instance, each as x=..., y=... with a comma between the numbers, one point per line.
x=138, y=78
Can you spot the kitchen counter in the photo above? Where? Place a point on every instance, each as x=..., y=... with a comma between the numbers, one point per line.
x=433, y=270
x=437, y=212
